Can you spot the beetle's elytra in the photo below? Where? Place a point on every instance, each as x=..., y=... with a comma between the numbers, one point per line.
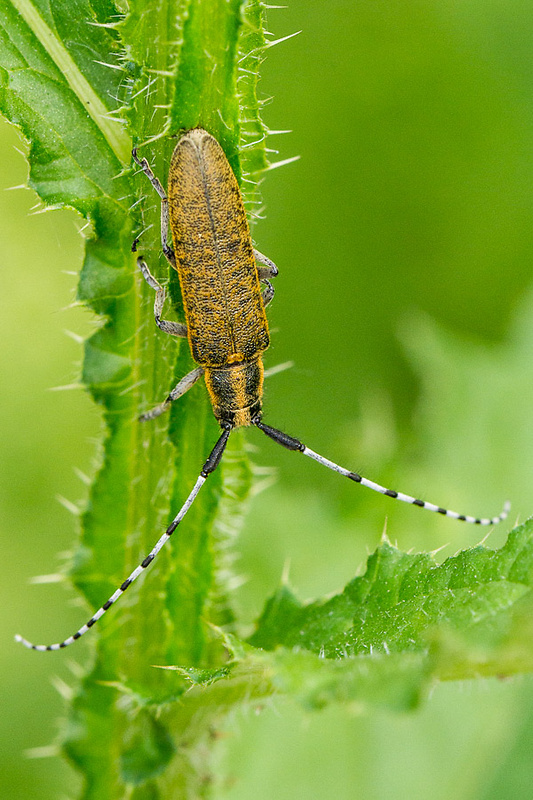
x=226, y=320
x=220, y=275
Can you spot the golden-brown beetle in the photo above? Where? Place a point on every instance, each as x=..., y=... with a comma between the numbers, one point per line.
x=226, y=323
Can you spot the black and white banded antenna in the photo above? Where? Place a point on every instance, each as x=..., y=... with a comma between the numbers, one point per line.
x=290, y=443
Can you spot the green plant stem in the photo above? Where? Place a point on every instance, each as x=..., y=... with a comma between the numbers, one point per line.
x=185, y=76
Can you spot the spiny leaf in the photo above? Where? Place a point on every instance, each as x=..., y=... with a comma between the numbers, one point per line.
x=393, y=631
x=401, y=598
x=76, y=150
x=72, y=74
x=407, y=616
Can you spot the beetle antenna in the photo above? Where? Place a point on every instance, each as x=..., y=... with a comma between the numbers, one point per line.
x=210, y=465
x=294, y=444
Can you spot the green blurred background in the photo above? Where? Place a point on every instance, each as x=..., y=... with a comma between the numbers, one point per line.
x=404, y=238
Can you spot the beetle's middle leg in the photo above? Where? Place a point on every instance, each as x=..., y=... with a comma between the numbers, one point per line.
x=268, y=292
x=174, y=328
x=178, y=391
x=267, y=270
x=156, y=183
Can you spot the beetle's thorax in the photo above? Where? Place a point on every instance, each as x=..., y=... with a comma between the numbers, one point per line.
x=236, y=392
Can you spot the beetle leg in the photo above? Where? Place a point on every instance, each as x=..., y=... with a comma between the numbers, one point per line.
x=167, y=249
x=268, y=292
x=266, y=271
x=269, y=269
x=178, y=391
x=174, y=328
x=156, y=183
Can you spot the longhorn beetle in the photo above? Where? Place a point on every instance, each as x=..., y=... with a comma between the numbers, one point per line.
x=220, y=275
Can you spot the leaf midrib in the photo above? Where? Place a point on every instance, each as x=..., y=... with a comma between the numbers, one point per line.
x=114, y=134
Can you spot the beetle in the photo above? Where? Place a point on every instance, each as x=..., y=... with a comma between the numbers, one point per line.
x=220, y=275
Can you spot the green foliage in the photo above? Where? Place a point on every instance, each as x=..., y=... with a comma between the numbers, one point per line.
x=74, y=89
x=395, y=630
x=71, y=77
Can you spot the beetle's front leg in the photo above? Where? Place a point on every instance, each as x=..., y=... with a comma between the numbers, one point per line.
x=156, y=183
x=173, y=328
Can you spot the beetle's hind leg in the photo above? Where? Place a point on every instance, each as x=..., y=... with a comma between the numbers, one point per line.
x=178, y=391
x=174, y=328
x=156, y=183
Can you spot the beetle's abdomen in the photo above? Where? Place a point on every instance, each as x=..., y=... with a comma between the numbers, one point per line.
x=225, y=315
x=236, y=392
